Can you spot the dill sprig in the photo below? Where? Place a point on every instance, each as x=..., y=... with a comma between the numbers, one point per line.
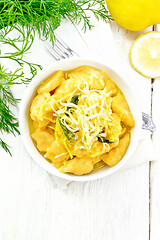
x=28, y=17
x=8, y=122
x=45, y=16
x=21, y=46
x=5, y=146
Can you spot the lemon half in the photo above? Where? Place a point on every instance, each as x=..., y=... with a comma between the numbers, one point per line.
x=145, y=54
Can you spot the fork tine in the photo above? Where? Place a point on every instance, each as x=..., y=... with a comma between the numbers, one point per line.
x=60, y=50
x=64, y=45
x=60, y=53
x=51, y=50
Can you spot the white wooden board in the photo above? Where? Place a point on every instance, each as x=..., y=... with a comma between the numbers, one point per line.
x=155, y=166
x=114, y=208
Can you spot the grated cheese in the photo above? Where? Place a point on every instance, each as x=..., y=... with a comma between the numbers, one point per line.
x=91, y=117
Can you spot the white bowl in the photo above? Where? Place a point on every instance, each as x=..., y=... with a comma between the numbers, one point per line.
x=64, y=65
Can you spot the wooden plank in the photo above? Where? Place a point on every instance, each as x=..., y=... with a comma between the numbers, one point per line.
x=141, y=85
x=116, y=207
x=123, y=40
x=155, y=166
x=111, y=208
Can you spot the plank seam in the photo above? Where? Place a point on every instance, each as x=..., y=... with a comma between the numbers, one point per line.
x=150, y=164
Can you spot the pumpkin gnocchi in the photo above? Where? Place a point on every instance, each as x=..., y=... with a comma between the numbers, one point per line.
x=80, y=120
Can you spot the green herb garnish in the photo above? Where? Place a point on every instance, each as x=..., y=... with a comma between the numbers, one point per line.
x=69, y=134
x=46, y=15
x=74, y=100
x=28, y=17
x=8, y=122
x=103, y=140
x=5, y=146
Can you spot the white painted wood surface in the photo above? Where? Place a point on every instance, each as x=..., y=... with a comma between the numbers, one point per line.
x=155, y=166
x=114, y=208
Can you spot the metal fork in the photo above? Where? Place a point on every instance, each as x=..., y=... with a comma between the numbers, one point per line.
x=60, y=50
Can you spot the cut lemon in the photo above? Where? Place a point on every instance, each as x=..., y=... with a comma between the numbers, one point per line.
x=145, y=54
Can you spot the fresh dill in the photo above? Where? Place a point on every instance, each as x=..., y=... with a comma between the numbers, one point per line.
x=28, y=17
x=45, y=16
x=20, y=46
x=5, y=146
x=8, y=122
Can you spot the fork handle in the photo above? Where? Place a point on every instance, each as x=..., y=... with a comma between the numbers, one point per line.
x=147, y=122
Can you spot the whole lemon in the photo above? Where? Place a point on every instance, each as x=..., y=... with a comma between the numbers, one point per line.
x=135, y=15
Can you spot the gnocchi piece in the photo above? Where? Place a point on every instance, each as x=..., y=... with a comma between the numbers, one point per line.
x=96, y=160
x=116, y=154
x=38, y=112
x=51, y=105
x=37, y=102
x=82, y=153
x=124, y=129
x=114, y=128
x=66, y=88
x=35, y=124
x=77, y=166
x=57, y=164
x=121, y=108
x=52, y=82
x=91, y=75
x=57, y=152
x=109, y=84
x=97, y=149
x=43, y=139
x=51, y=126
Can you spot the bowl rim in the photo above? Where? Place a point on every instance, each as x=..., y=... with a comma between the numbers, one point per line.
x=31, y=89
